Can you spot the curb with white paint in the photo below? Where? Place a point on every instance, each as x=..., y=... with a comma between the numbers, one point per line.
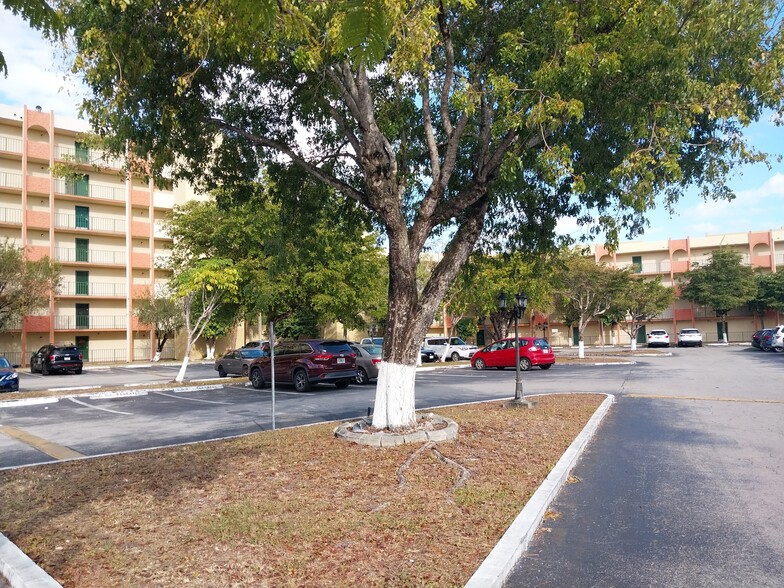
x=493, y=571
x=19, y=570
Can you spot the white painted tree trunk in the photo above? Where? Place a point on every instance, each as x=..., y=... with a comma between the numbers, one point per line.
x=634, y=344
x=183, y=367
x=581, y=349
x=157, y=356
x=210, y=351
x=394, y=406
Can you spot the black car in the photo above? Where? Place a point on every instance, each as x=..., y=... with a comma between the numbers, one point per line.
x=9, y=379
x=56, y=358
x=427, y=355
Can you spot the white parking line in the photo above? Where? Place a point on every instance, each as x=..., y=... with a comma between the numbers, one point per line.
x=98, y=407
x=192, y=399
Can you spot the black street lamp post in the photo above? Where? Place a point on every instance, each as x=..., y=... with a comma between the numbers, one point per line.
x=521, y=301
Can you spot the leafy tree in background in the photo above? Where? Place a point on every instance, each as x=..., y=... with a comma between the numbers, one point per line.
x=638, y=301
x=722, y=284
x=200, y=287
x=163, y=314
x=39, y=15
x=587, y=290
x=25, y=285
x=443, y=119
x=770, y=294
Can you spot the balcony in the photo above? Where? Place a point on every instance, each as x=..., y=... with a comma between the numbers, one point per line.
x=11, y=180
x=61, y=186
x=11, y=144
x=11, y=216
x=93, y=289
x=95, y=256
x=94, y=157
x=93, y=223
x=71, y=322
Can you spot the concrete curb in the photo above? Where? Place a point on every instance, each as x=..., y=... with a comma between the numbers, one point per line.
x=493, y=571
x=19, y=570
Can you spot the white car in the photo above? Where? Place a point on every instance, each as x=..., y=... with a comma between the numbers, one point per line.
x=658, y=338
x=688, y=337
x=458, y=349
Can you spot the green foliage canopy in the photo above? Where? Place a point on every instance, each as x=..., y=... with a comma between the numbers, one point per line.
x=721, y=284
x=25, y=285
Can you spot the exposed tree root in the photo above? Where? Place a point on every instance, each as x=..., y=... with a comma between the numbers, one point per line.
x=465, y=473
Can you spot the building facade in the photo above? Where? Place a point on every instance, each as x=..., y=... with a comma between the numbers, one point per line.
x=763, y=250
x=102, y=224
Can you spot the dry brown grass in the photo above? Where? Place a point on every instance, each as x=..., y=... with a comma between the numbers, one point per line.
x=294, y=507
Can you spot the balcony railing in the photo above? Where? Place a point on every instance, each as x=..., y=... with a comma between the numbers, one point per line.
x=11, y=144
x=93, y=157
x=11, y=180
x=13, y=357
x=107, y=355
x=11, y=216
x=62, y=186
x=68, y=254
x=71, y=322
x=101, y=289
x=14, y=325
x=93, y=223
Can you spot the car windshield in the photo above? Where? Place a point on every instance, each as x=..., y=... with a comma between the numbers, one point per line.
x=658, y=332
x=66, y=350
x=4, y=362
x=248, y=353
x=456, y=341
x=541, y=343
x=372, y=349
x=689, y=332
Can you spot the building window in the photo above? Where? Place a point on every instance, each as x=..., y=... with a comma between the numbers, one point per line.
x=82, y=283
x=637, y=264
x=82, y=316
x=82, y=217
x=82, y=152
x=82, y=250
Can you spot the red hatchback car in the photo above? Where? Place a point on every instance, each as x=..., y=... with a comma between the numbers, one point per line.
x=501, y=354
x=305, y=363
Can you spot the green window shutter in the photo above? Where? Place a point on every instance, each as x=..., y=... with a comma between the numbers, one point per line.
x=82, y=283
x=637, y=264
x=82, y=152
x=82, y=250
x=82, y=316
x=82, y=186
x=82, y=217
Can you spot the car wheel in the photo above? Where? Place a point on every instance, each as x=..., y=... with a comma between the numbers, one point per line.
x=546, y=366
x=479, y=364
x=525, y=364
x=44, y=369
x=342, y=384
x=78, y=371
x=455, y=356
x=362, y=377
x=221, y=372
x=257, y=379
x=778, y=349
x=245, y=371
x=301, y=383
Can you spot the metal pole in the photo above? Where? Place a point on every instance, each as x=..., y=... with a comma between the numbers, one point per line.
x=272, y=366
x=518, y=381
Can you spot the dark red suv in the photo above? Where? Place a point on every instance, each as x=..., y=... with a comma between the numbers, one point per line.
x=304, y=363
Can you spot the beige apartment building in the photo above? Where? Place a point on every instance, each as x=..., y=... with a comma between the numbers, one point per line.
x=103, y=227
x=669, y=258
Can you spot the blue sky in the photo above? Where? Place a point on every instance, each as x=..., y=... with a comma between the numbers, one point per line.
x=36, y=76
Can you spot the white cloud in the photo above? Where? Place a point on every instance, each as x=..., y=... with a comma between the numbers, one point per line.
x=36, y=70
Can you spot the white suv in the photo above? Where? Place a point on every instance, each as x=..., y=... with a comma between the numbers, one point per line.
x=458, y=349
x=689, y=337
x=658, y=338
x=777, y=338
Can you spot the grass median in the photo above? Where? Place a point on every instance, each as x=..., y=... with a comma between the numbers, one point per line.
x=293, y=507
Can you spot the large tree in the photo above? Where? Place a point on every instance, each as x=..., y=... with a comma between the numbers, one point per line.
x=25, y=285
x=162, y=312
x=472, y=115
x=722, y=284
x=638, y=301
x=40, y=15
